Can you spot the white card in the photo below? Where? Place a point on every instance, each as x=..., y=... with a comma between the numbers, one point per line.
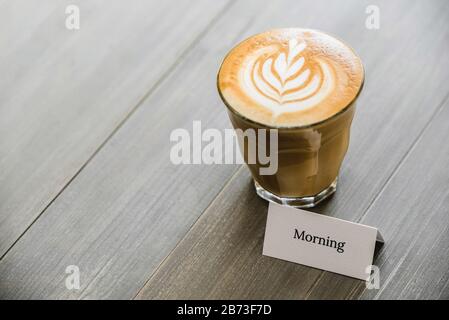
x=320, y=241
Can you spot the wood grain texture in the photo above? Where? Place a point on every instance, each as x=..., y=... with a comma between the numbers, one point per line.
x=129, y=206
x=63, y=92
x=221, y=255
x=413, y=213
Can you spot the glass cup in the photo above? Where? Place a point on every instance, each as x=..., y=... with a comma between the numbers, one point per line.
x=309, y=158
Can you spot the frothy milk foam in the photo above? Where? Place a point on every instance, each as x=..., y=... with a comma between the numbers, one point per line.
x=290, y=77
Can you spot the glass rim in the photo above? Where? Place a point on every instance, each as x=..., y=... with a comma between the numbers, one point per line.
x=333, y=116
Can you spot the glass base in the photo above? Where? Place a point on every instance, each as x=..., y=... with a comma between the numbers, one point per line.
x=297, y=202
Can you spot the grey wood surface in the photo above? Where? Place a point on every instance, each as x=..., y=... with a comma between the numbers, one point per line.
x=63, y=92
x=129, y=205
x=86, y=178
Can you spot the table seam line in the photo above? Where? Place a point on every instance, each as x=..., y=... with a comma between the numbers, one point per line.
x=395, y=170
x=161, y=264
x=122, y=122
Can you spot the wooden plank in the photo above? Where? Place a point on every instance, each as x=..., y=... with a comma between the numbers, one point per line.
x=64, y=92
x=221, y=255
x=129, y=206
x=412, y=212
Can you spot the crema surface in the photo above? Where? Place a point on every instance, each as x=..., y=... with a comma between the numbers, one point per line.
x=290, y=77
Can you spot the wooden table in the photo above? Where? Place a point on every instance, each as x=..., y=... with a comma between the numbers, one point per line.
x=85, y=175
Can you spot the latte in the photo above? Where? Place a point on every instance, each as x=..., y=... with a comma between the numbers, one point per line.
x=304, y=84
x=290, y=77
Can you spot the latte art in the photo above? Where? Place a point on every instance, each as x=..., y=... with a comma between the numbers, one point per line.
x=283, y=83
x=290, y=77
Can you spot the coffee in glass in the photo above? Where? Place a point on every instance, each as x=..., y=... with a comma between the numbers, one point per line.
x=304, y=84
